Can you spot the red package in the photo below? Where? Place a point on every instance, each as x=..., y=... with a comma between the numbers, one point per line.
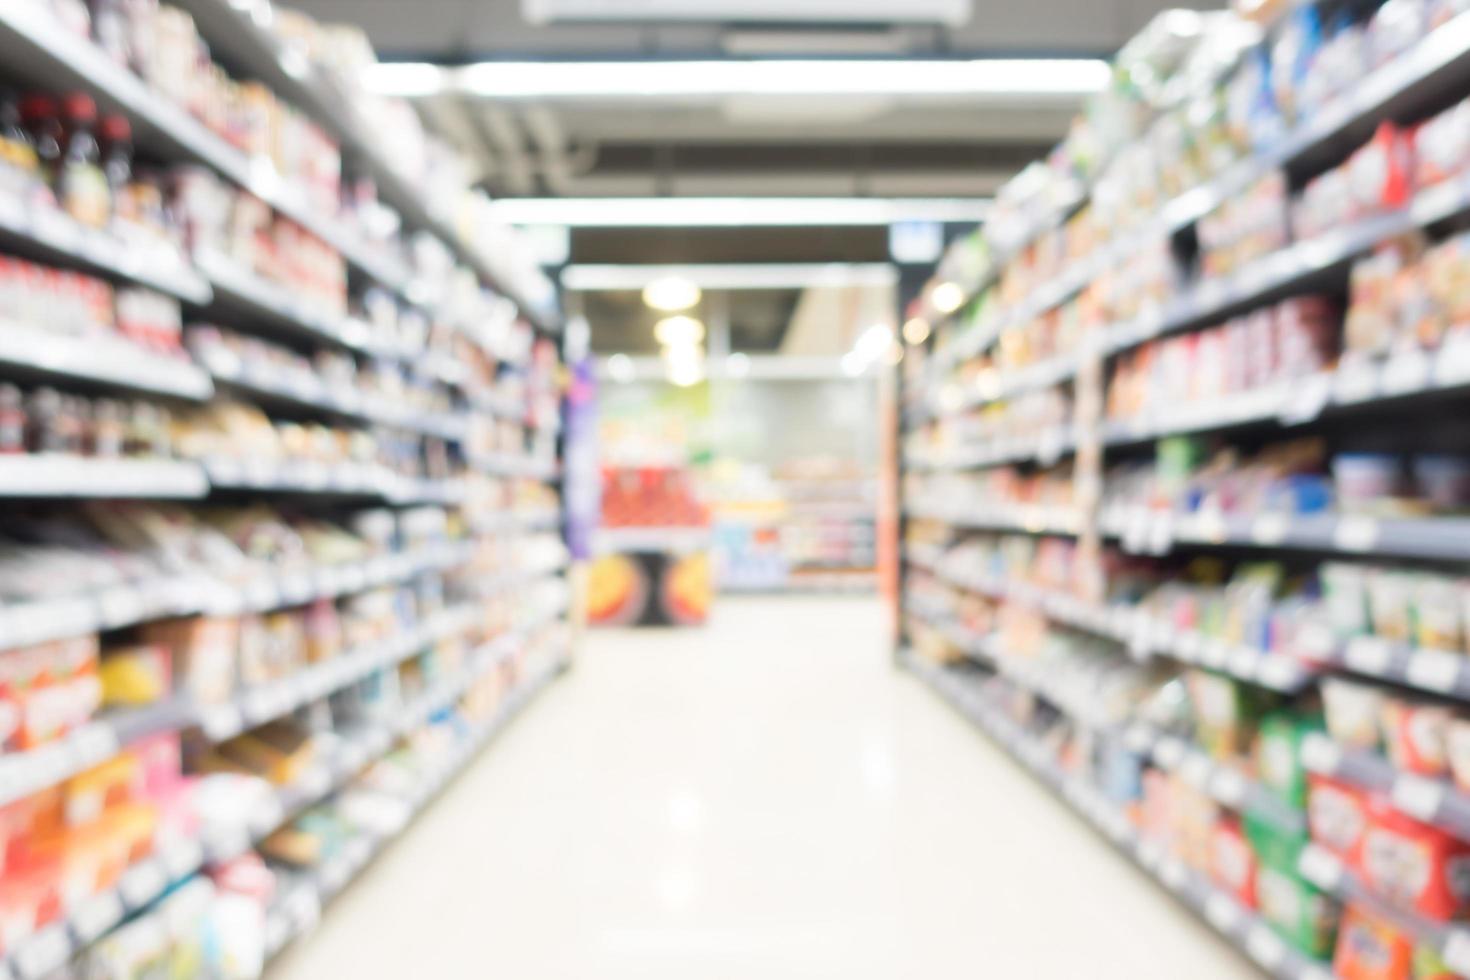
x=1338, y=817
x=1414, y=865
x=1233, y=862
x=1370, y=948
x=1380, y=173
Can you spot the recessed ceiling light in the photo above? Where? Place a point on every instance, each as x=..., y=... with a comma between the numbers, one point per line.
x=671, y=294
x=916, y=331
x=679, y=332
x=947, y=297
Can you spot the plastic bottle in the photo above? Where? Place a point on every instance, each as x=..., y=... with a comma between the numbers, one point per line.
x=20, y=170
x=117, y=166
x=81, y=185
x=44, y=124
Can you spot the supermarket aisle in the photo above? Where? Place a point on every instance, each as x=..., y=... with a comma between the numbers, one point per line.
x=767, y=798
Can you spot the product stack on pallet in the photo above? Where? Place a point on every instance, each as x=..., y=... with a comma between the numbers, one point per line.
x=1185, y=471
x=279, y=440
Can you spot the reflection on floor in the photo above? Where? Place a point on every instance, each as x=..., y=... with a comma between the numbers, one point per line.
x=765, y=798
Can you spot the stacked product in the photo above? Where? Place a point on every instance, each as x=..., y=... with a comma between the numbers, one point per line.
x=1185, y=498
x=653, y=565
x=282, y=545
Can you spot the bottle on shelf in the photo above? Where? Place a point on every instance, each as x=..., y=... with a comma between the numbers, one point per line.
x=81, y=185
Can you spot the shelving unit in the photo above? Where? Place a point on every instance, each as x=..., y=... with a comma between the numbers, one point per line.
x=1033, y=525
x=480, y=600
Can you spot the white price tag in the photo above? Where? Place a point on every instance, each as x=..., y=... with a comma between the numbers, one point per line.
x=1321, y=868
x=1456, y=952
x=1245, y=663
x=1161, y=534
x=182, y=858
x=1173, y=873
x=96, y=916
x=1138, y=739
x=1452, y=365
x=334, y=876
x=1355, y=383
x=1321, y=755
x=13, y=213
x=1269, y=530
x=1418, y=797
x=1265, y=947
x=221, y=721
x=1369, y=655
x=1215, y=653
x=1406, y=372
x=1315, y=640
x=1188, y=644
x=95, y=743
x=1196, y=770
x=1222, y=913
x=1356, y=533
x=1306, y=400
x=262, y=594
x=47, y=950
x=306, y=912
x=1435, y=670
x=232, y=842
x=120, y=606
x=142, y=883
x=1280, y=673
x=1169, y=752
x=56, y=229
x=1228, y=786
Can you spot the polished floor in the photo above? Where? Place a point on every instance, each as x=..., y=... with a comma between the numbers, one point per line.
x=766, y=798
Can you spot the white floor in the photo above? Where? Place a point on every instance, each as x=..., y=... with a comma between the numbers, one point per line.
x=766, y=798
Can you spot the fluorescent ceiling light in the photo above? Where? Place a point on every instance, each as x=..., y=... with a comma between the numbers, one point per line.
x=732, y=212
x=406, y=79
x=795, y=275
x=671, y=294
x=1066, y=77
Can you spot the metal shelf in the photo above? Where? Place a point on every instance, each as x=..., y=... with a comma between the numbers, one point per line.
x=1142, y=530
x=1439, y=62
x=1262, y=280
x=1143, y=634
x=50, y=235
x=299, y=911
x=100, y=359
x=1060, y=521
x=234, y=34
x=1226, y=784
x=1428, y=800
x=143, y=883
x=39, y=49
x=82, y=477
x=310, y=478
x=1326, y=871
x=1046, y=449
x=132, y=603
x=513, y=465
x=274, y=307
x=1244, y=928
